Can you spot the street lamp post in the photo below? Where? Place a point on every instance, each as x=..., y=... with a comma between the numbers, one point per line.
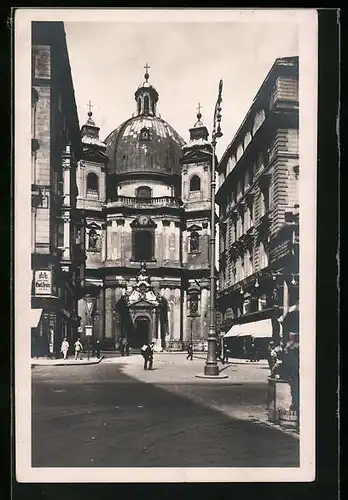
x=211, y=367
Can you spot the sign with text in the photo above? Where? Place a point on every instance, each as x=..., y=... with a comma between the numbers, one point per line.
x=43, y=282
x=88, y=331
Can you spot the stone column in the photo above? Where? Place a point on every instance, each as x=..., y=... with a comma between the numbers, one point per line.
x=158, y=328
x=108, y=313
x=66, y=222
x=66, y=176
x=154, y=326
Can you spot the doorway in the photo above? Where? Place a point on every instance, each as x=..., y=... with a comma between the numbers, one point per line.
x=142, y=331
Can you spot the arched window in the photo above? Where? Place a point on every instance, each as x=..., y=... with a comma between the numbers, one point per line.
x=259, y=119
x=195, y=183
x=143, y=192
x=146, y=105
x=92, y=183
x=139, y=106
x=194, y=242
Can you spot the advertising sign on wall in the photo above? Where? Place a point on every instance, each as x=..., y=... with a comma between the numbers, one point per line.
x=43, y=282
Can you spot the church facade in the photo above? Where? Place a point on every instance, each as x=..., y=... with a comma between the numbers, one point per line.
x=145, y=197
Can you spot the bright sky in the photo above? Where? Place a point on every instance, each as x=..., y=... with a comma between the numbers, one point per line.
x=186, y=60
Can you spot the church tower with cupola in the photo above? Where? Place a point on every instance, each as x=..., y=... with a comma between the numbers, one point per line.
x=195, y=182
x=143, y=216
x=91, y=197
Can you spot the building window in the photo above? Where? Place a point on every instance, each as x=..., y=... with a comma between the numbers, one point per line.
x=194, y=242
x=259, y=119
x=143, y=244
x=264, y=202
x=143, y=192
x=144, y=134
x=263, y=257
x=146, y=105
x=139, y=106
x=92, y=183
x=60, y=235
x=247, y=139
x=195, y=183
x=239, y=152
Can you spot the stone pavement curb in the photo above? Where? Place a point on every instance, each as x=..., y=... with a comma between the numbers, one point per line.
x=60, y=362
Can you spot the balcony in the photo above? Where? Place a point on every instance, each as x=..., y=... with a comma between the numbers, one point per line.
x=161, y=201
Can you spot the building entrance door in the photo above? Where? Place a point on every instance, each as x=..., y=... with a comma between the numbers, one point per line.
x=142, y=331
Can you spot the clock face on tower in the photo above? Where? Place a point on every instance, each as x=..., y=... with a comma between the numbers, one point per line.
x=143, y=220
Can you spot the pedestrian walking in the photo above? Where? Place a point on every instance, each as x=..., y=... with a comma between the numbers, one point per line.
x=252, y=351
x=97, y=348
x=189, y=351
x=78, y=349
x=147, y=353
x=64, y=348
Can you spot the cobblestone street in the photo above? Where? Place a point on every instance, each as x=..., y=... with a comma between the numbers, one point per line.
x=115, y=414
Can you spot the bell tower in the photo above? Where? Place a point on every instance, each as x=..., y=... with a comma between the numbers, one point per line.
x=91, y=197
x=195, y=188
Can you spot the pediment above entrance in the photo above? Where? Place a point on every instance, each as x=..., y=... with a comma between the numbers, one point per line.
x=142, y=294
x=144, y=304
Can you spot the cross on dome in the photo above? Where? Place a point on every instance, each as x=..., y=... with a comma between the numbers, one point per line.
x=199, y=115
x=146, y=68
x=90, y=106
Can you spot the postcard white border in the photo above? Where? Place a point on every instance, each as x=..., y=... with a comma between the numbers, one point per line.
x=307, y=22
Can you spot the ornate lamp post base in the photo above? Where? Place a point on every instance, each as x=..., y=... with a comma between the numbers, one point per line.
x=211, y=369
x=212, y=377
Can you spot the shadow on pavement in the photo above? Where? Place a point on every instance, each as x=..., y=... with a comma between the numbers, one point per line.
x=106, y=418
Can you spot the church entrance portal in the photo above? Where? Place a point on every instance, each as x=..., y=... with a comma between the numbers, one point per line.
x=142, y=331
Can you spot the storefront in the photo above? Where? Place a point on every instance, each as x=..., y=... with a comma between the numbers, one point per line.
x=51, y=320
x=239, y=337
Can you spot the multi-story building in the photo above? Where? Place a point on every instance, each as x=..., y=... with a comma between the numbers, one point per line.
x=56, y=247
x=259, y=212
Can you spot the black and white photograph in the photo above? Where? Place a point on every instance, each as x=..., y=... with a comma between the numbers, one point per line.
x=165, y=199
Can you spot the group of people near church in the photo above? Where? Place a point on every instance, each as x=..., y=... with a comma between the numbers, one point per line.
x=79, y=349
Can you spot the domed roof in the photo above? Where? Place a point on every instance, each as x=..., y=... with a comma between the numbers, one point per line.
x=145, y=142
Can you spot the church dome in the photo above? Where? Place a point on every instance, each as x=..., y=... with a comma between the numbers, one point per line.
x=144, y=143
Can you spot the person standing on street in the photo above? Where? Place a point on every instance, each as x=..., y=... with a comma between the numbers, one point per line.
x=271, y=355
x=147, y=353
x=97, y=348
x=78, y=349
x=64, y=348
x=252, y=351
x=225, y=354
x=189, y=351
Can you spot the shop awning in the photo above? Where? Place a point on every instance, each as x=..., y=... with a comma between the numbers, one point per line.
x=35, y=317
x=258, y=329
